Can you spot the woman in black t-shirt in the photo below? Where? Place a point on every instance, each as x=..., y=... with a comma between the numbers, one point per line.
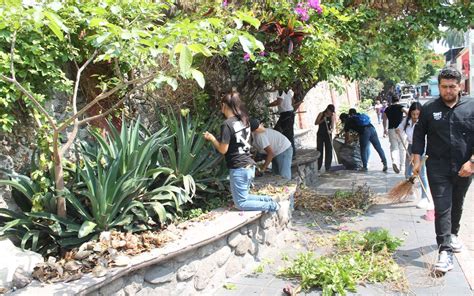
x=324, y=136
x=235, y=145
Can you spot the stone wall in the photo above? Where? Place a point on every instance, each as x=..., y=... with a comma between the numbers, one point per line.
x=206, y=254
x=304, y=169
x=202, y=270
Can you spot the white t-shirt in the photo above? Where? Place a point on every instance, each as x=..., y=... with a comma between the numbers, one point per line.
x=286, y=103
x=409, y=130
x=276, y=140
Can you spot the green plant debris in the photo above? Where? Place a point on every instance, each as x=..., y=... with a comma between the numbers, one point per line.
x=358, y=258
x=261, y=267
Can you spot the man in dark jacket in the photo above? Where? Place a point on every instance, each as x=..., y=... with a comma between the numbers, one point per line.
x=448, y=124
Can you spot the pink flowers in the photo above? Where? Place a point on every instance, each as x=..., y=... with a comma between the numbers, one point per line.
x=302, y=12
x=314, y=4
x=302, y=9
x=224, y=3
x=246, y=57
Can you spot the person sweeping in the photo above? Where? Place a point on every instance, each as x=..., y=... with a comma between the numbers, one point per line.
x=406, y=128
x=325, y=120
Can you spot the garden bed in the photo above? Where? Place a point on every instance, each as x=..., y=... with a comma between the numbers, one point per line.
x=205, y=254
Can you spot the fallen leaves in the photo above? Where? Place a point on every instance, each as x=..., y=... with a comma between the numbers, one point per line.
x=112, y=249
x=357, y=200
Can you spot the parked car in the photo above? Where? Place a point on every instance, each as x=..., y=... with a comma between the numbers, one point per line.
x=406, y=100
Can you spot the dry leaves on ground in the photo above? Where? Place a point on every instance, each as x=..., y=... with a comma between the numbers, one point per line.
x=112, y=249
x=342, y=202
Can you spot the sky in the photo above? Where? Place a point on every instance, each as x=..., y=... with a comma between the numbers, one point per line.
x=438, y=47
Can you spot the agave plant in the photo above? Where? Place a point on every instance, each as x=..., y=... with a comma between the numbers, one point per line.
x=115, y=175
x=193, y=161
x=41, y=231
x=118, y=184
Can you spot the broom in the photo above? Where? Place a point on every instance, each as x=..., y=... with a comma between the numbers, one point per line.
x=430, y=212
x=332, y=146
x=403, y=188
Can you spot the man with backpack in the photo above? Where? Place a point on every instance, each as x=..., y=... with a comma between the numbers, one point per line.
x=360, y=123
x=394, y=115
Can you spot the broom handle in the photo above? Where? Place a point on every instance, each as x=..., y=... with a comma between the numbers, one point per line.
x=330, y=141
x=422, y=163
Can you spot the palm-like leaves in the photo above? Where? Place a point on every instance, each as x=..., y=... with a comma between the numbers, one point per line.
x=192, y=159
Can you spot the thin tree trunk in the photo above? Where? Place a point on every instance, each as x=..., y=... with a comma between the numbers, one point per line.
x=59, y=176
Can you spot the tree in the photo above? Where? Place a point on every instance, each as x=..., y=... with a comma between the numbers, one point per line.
x=142, y=46
x=453, y=38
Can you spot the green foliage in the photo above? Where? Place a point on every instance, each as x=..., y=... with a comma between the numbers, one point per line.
x=114, y=177
x=193, y=162
x=358, y=258
x=374, y=241
x=132, y=37
x=370, y=88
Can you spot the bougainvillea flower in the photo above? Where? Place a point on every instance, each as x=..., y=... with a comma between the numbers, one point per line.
x=316, y=5
x=262, y=53
x=302, y=12
x=224, y=3
x=246, y=57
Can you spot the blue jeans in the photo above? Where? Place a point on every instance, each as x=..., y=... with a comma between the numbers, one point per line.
x=370, y=135
x=281, y=164
x=240, y=180
x=409, y=171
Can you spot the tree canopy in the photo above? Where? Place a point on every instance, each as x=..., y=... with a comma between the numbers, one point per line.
x=254, y=46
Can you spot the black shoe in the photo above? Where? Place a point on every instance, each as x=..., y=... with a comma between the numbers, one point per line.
x=395, y=168
x=385, y=168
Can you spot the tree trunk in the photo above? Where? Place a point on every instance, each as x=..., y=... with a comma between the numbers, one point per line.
x=58, y=176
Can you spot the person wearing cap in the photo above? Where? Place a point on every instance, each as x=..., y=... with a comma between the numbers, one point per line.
x=275, y=145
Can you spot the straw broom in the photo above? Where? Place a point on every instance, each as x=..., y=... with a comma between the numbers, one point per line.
x=404, y=188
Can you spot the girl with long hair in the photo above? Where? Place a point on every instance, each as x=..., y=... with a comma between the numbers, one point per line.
x=406, y=127
x=235, y=144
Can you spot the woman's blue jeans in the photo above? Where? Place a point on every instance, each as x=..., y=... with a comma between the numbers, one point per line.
x=409, y=172
x=240, y=180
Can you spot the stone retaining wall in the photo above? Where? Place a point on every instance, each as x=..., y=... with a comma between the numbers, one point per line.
x=207, y=253
x=304, y=169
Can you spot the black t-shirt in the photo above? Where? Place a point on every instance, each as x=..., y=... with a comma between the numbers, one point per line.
x=395, y=115
x=234, y=133
x=324, y=125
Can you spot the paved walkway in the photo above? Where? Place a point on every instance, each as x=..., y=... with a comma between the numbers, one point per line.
x=403, y=220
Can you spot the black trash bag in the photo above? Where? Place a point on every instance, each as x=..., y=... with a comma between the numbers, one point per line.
x=348, y=154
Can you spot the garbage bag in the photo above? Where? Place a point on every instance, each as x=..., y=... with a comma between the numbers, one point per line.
x=347, y=154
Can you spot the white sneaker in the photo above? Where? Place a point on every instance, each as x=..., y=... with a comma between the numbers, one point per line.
x=423, y=203
x=445, y=262
x=456, y=244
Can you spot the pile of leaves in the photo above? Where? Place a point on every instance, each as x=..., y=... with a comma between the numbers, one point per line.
x=359, y=199
x=357, y=258
x=276, y=192
x=111, y=250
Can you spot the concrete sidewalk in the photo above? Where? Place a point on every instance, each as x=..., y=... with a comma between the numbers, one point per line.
x=403, y=220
